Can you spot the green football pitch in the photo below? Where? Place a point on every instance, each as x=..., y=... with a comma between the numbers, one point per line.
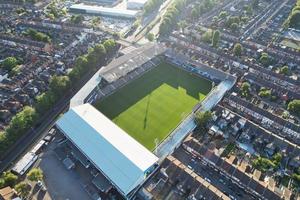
x=150, y=107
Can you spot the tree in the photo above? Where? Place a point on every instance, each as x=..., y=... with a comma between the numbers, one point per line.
x=294, y=107
x=9, y=179
x=215, y=38
x=170, y=17
x=265, y=93
x=150, y=37
x=20, y=123
x=38, y=36
x=182, y=25
x=294, y=20
x=231, y=20
x=9, y=63
x=234, y=27
x=35, y=174
x=215, y=20
x=195, y=13
x=77, y=19
x=151, y=5
x=109, y=45
x=237, y=49
x=206, y=37
x=202, y=118
x=245, y=87
x=223, y=15
x=96, y=21
x=81, y=66
x=59, y=85
x=284, y=70
x=264, y=59
x=97, y=54
x=265, y=164
x=44, y=102
x=2, y=183
x=100, y=50
x=248, y=9
x=23, y=189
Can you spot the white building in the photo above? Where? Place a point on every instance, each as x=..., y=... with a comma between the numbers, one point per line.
x=99, y=10
x=136, y=4
x=119, y=157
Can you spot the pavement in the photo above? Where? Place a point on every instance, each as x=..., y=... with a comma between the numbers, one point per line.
x=61, y=183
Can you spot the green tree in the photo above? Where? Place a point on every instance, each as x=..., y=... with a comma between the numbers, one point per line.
x=81, y=66
x=294, y=107
x=215, y=20
x=284, y=70
x=96, y=21
x=216, y=38
x=44, y=102
x=237, y=49
x=263, y=164
x=150, y=37
x=195, y=13
x=109, y=45
x=223, y=15
x=59, y=85
x=202, y=118
x=207, y=36
x=234, y=27
x=182, y=25
x=97, y=55
x=264, y=59
x=35, y=174
x=23, y=189
x=151, y=5
x=294, y=20
x=9, y=63
x=2, y=183
x=231, y=20
x=77, y=19
x=21, y=123
x=248, y=9
x=245, y=87
x=9, y=179
x=170, y=17
x=264, y=92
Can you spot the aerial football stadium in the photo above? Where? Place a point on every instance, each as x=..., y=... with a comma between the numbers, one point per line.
x=136, y=110
x=149, y=107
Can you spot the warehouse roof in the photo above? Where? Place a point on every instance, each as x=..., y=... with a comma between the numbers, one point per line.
x=105, y=11
x=120, y=158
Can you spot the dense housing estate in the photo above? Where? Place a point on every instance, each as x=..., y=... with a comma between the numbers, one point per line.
x=150, y=99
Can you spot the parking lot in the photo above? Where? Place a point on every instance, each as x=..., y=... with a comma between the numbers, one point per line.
x=61, y=183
